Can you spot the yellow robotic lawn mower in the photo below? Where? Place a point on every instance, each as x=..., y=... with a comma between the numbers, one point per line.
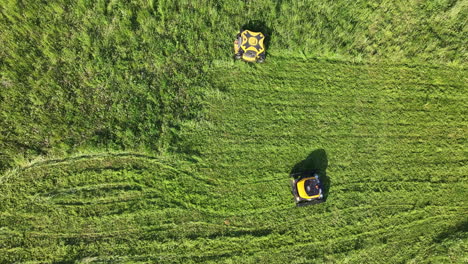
x=307, y=188
x=249, y=46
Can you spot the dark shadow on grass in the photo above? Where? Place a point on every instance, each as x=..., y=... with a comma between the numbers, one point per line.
x=278, y=6
x=316, y=161
x=453, y=232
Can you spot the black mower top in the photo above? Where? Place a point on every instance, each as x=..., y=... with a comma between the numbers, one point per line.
x=312, y=187
x=306, y=188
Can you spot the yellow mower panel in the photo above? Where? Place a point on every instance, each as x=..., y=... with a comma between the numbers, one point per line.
x=249, y=46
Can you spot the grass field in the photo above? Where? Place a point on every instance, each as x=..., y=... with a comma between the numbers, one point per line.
x=128, y=135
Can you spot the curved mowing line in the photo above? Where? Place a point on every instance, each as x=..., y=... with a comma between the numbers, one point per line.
x=88, y=157
x=53, y=162
x=179, y=202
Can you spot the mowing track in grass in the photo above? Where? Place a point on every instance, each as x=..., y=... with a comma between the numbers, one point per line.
x=393, y=139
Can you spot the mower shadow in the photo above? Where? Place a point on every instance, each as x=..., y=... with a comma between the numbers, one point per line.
x=316, y=161
x=260, y=26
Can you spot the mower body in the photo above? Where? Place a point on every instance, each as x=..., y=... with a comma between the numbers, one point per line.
x=306, y=188
x=249, y=46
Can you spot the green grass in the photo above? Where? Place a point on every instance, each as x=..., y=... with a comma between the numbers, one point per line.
x=395, y=194
x=127, y=133
x=111, y=75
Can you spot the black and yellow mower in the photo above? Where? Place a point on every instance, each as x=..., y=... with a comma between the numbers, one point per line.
x=307, y=188
x=249, y=46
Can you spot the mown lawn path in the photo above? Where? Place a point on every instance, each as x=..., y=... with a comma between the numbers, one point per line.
x=390, y=139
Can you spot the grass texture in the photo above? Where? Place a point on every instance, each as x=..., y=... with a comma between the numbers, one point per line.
x=128, y=134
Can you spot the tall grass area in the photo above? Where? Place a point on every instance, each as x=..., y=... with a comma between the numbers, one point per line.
x=129, y=134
